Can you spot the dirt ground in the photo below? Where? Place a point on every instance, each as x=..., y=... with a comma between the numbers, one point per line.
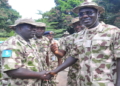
x=62, y=78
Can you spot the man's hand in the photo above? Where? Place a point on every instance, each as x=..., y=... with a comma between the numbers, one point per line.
x=45, y=75
x=54, y=47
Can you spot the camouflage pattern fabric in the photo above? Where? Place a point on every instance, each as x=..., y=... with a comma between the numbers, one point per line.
x=98, y=49
x=24, y=55
x=53, y=59
x=43, y=45
x=66, y=45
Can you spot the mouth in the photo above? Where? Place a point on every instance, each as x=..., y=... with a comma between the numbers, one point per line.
x=87, y=20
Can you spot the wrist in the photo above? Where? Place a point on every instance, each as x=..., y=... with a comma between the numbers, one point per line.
x=53, y=73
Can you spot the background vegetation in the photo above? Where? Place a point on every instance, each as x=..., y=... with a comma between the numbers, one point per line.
x=58, y=18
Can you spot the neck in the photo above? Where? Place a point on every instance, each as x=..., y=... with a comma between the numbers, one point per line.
x=39, y=37
x=27, y=40
x=94, y=25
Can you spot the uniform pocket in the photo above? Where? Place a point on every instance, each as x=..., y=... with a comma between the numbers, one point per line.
x=101, y=60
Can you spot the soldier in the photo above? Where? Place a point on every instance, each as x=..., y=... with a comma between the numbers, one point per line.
x=66, y=34
x=73, y=70
x=53, y=58
x=75, y=23
x=43, y=44
x=97, y=48
x=21, y=62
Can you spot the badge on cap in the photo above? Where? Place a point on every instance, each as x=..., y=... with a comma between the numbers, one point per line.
x=6, y=53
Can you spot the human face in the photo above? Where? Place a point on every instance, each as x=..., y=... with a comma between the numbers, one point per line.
x=27, y=31
x=40, y=31
x=89, y=17
x=50, y=36
x=77, y=26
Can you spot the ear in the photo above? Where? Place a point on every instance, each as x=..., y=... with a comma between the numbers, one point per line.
x=18, y=30
x=98, y=14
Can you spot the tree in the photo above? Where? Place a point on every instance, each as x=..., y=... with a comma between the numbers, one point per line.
x=7, y=15
x=60, y=16
x=112, y=11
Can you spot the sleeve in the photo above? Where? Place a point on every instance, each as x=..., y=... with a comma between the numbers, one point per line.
x=74, y=52
x=73, y=49
x=116, y=44
x=62, y=44
x=12, y=62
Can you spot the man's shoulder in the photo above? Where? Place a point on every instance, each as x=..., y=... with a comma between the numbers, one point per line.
x=10, y=40
x=10, y=43
x=109, y=27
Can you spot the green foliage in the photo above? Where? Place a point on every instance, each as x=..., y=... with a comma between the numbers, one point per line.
x=7, y=15
x=112, y=11
x=60, y=16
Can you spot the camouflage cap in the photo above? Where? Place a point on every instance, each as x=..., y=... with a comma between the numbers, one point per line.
x=22, y=21
x=41, y=24
x=66, y=33
x=74, y=20
x=88, y=4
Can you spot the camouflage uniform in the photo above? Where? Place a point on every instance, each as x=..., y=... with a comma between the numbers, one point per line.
x=99, y=49
x=24, y=55
x=53, y=61
x=65, y=44
x=53, y=58
x=43, y=45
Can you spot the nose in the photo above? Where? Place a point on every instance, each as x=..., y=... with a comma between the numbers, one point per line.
x=85, y=15
x=34, y=29
x=77, y=26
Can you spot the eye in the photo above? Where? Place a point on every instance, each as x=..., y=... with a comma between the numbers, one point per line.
x=89, y=12
x=81, y=14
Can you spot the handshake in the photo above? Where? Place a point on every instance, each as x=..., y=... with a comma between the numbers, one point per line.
x=47, y=75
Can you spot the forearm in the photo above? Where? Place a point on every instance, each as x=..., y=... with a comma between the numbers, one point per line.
x=118, y=72
x=68, y=62
x=47, y=60
x=59, y=61
x=23, y=74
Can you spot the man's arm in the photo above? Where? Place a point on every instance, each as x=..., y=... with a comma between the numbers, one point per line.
x=23, y=73
x=59, y=61
x=118, y=72
x=68, y=62
x=59, y=53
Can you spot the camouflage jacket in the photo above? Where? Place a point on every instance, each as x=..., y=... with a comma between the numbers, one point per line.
x=97, y=50
x=43, y=46
x=65, y=44
x=23, y=55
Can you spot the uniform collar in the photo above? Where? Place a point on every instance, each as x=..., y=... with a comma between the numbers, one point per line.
x=21, y=39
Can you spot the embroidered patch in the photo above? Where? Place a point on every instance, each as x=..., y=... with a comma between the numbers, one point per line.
x=6, y=53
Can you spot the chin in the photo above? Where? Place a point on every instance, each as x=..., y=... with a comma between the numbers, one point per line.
x=87, y=25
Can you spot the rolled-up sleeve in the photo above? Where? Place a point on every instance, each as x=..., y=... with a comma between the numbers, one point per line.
x=12, y=62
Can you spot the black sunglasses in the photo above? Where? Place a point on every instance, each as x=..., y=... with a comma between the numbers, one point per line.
x=89, y=13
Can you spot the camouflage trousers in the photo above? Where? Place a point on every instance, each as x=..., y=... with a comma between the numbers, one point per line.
x=49, y=83
x=94, y=83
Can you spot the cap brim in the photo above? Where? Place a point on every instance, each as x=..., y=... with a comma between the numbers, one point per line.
x=101, y=9
x=12, y=26
x=71, y=24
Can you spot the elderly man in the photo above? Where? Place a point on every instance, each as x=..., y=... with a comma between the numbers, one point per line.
x=97, y=48
x=43, y=44
x=21, y=64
